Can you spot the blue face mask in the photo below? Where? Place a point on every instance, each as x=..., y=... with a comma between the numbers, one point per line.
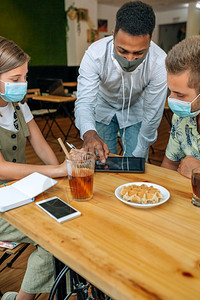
x=14, y=91
x=182, y=108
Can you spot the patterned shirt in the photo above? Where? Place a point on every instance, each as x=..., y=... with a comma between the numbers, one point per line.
x=184, y=139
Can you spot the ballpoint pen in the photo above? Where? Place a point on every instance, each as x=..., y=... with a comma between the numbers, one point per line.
x=70, y=145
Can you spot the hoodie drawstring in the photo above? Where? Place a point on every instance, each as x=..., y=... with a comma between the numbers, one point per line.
x=128, y=109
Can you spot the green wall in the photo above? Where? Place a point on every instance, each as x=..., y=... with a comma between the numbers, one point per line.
x=38, y=27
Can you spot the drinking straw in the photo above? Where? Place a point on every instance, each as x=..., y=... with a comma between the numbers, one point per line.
x=77, y=170
x=64, y=148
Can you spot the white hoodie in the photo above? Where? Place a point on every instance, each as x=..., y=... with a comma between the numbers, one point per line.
x=104, y=90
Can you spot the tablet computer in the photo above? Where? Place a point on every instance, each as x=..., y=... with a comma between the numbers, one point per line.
x=121, y=164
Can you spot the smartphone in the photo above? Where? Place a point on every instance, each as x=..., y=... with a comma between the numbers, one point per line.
x=58, y=209
x=121, y=164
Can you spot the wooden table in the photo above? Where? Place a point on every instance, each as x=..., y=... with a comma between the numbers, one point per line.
x=128, y=253
x=54, y=98
x=70, y=84
x=61, y=101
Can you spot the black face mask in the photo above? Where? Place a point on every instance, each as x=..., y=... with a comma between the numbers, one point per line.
x=126, y=65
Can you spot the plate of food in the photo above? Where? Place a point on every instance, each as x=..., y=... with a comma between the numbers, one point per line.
x=142, y=194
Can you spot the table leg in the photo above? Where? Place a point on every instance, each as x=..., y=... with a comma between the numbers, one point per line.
x=50, y=128
x=78, y=285
x=59, y=127
x=61, y=291
x=71, y=119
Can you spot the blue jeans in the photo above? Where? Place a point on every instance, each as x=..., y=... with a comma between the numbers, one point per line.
x=109, y=134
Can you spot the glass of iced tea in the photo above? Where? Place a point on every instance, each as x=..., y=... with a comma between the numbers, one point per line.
x=80, y=169
x=196, y=186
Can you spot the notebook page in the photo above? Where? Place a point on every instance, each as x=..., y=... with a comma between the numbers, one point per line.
x=34, y=184
x=11, y=197
x=9, y=194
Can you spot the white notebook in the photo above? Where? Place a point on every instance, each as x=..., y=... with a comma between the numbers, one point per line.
x=24, y=190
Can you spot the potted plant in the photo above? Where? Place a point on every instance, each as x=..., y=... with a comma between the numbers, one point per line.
x=72, y=13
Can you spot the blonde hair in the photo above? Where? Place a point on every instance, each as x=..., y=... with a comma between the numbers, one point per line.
x=11, y=55
x=185, y=56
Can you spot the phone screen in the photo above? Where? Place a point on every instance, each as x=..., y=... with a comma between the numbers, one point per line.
x=57, y=208
x=121, y=164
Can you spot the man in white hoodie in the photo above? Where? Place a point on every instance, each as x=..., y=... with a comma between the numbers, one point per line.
x=122, y=86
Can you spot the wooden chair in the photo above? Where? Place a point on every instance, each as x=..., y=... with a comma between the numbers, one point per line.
x=6, y=253
x=167, y=114
x=41, y=112
x=17, y=251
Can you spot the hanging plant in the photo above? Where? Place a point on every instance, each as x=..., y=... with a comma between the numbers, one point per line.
x=72, y=13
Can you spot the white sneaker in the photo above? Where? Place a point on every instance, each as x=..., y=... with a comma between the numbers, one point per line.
x=9, y=296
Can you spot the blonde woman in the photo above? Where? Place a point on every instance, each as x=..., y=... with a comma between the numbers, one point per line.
x=16, y=126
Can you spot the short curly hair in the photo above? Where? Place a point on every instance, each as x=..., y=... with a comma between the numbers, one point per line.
x=185, y=56
x=136, y=18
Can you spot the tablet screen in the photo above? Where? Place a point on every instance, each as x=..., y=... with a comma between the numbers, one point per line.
x=121, y=164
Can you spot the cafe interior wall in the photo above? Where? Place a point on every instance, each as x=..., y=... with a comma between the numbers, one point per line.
x=77, y=41
x=189, y=14
x=108, y=12
x=38, y=27
x=77, y=44
x=193, y=24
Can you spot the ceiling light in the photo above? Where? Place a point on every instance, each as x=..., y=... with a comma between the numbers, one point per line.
x=198, y=5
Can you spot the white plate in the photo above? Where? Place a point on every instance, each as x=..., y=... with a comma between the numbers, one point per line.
x=164, y=192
